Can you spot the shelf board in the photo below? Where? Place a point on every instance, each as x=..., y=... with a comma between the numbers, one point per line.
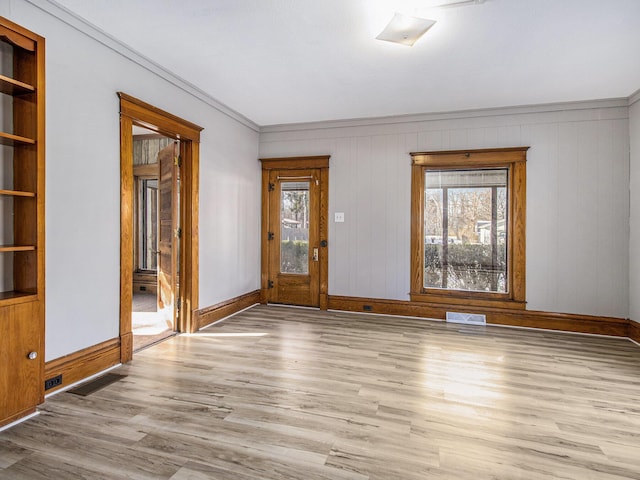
x=14, y=140
x=17, y=248
x=8, y=298
x=14, y=87
x=16, y=193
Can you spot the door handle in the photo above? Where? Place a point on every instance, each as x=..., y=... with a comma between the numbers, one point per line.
x=315, y=254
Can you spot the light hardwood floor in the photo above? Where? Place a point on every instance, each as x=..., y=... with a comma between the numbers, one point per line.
x=283, y=393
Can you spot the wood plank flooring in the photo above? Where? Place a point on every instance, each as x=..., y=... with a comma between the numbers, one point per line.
x=283, y=393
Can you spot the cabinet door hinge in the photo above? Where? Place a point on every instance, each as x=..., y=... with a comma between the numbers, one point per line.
x=177, y=161
x=178, y=232
x=270, y=236
x=272, y=187
x=270, y=285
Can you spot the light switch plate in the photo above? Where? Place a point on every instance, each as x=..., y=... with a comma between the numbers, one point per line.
x=339, y=217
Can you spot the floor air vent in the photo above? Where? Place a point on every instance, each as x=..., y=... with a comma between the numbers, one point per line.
x=466, y=318
x=94, y=385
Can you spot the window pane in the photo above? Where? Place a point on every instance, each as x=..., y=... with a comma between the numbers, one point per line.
x=466, y=230
x=294, y=227
x=149, y=224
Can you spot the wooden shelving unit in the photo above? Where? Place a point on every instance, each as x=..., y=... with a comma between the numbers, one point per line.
x=22, y=167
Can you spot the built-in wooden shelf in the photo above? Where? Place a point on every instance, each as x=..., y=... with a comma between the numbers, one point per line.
x=16, y=193
x=17, y=248
x=14, y=87
x=15, y=140
x=22, y=89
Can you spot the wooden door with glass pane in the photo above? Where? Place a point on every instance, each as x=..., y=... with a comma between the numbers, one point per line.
x=293, y=236
x=295, y=202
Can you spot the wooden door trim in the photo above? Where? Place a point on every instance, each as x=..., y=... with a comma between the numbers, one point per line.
x=320, y=162
x=137, y=112
x=190, y=241
x=295, y=163
x=324, y=236
x=158, y=120
x=126, y=237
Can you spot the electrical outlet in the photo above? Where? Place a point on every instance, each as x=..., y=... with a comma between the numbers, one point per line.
x=53, y=382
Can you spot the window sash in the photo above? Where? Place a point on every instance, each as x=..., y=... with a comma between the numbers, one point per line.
x=147, y=218
x=456, y=201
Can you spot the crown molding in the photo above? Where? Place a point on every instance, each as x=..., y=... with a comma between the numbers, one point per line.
x=81, y=25
x=452, y=115
x=634, y=97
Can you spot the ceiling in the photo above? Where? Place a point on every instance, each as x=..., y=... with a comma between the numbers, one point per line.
x=289, y=61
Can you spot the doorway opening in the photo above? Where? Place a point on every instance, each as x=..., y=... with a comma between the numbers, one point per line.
x=159, y=160
x=156, y=244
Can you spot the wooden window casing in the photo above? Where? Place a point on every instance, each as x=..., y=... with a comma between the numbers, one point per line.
x=513, y=159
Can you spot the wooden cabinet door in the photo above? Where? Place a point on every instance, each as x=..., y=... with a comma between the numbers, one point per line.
x=20, y=376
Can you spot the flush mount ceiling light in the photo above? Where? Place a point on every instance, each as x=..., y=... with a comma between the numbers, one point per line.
x=459, y=3
x=405, y=30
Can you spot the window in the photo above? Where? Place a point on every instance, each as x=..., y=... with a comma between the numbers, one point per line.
x=468, y=227
x=147, y=215
x=465, y=215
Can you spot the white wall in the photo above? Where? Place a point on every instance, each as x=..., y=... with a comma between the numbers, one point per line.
x=230, y=206
x=83, y=183
x=634, y=240
x=577, y=197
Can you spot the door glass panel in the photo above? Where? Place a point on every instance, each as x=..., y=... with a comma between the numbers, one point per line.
x=294, y=228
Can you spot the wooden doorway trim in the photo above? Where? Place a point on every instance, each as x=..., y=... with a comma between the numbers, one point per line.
x=320, y=162
x=136, y=112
